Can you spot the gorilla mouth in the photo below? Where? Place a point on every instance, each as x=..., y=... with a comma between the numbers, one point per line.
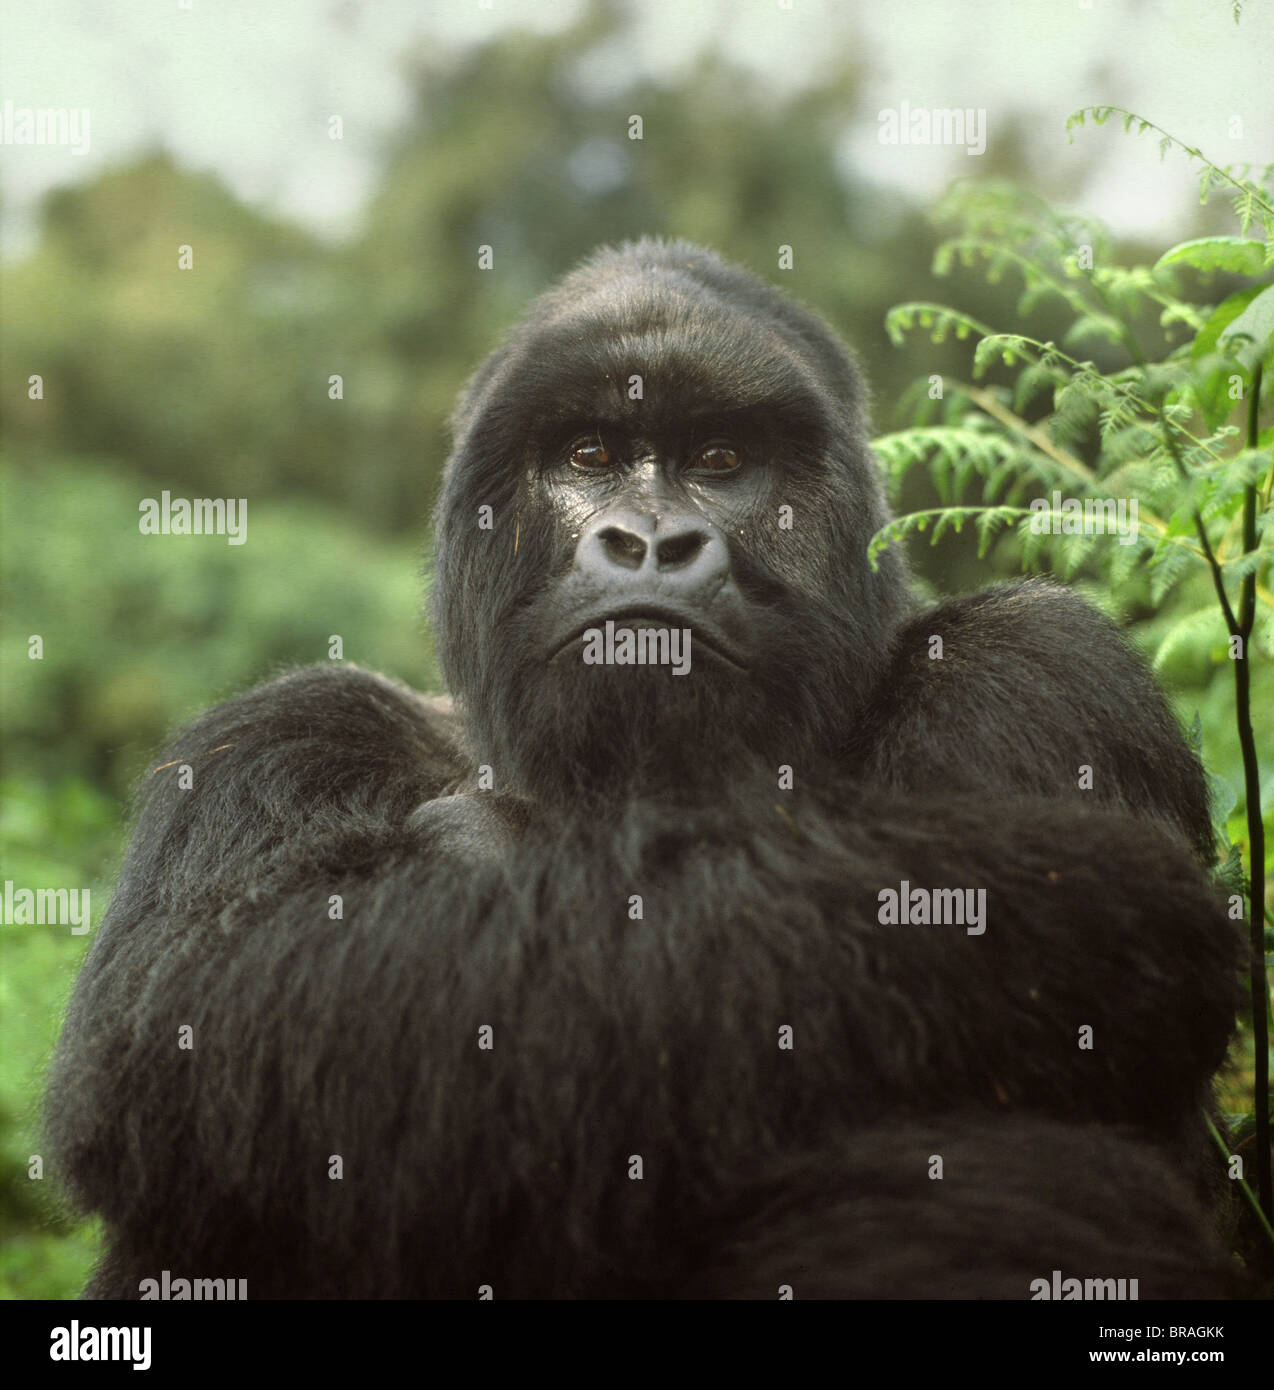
x=704, y=636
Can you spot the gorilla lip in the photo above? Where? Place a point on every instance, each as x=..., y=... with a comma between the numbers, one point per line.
x=654, y=616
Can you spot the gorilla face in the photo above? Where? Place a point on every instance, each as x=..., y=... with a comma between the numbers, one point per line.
x=675, y=461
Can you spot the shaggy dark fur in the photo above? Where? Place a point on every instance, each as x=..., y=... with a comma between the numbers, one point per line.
x=657, y=1035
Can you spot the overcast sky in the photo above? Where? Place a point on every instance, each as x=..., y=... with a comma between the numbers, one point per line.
x=244, y=87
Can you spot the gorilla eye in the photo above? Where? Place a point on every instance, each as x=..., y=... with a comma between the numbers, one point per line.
x=719, y=457
x=590, y=453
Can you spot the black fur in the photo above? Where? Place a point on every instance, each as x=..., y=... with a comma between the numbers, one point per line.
x=657, y=1036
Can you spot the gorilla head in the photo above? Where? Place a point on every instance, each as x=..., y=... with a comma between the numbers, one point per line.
x=666, y=444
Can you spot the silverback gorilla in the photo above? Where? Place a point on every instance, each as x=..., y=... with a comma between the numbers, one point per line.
x=586, y=984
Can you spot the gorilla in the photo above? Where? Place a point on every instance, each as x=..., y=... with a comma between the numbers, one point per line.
x=739, y=926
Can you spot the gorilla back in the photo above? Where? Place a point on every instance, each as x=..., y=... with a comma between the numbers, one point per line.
x=585, y=986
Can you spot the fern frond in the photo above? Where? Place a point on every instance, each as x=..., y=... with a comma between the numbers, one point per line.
x=988, y=520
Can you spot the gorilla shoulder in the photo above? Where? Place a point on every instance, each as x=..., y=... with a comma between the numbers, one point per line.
x=322, y=750
x=327, y=709
x=1022, y=687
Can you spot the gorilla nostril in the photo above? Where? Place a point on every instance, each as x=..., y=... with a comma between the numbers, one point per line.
x=623, y=547
x=675, y=552
x=665, y=548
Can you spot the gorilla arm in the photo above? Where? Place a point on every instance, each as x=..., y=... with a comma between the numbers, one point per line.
x=359, y=1037
x=223, y=922
x=1028, y=686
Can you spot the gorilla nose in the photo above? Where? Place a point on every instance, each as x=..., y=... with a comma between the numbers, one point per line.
x=683, y=553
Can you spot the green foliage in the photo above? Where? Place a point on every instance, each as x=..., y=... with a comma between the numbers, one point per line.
x=1164, y=419
x=221, y=374
x=987, y=519
x=49, y=837
x=1237, y=255
x=1249, y=190
x=1162, y=430
x=139, y=633
x=120, y=614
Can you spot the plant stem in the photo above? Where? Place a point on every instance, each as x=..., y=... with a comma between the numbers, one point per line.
x=1224, y=1148
x=1255, y=830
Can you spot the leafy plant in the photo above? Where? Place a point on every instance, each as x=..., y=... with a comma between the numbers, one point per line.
x=1163, y=421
